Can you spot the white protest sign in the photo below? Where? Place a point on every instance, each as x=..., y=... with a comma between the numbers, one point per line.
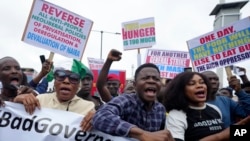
x=138, y=34
x=56, y=29
x=169, y=62
x=95, y=64
x=222, y=47
x=46, y=125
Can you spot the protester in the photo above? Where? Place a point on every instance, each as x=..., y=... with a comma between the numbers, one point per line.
x=242, y=76
x=229, y=108
x=108, y=86
x=246, y=87
x=245, y=82
x=24, y=80
x=129, y=88
x=64, y=98
x=86, y=87
x=187, y=109
x=113, y=84
x=41, y=87
x=11, y=77
x=227, y=91
x=136, y=115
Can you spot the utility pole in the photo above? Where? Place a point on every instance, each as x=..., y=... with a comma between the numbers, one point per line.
x=132, y=70
x=101, y=31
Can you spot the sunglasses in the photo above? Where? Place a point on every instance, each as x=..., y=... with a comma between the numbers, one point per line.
x=60, y=75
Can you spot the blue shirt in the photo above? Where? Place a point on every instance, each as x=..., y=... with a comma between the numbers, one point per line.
x=41, y=87
x=123, y=112
x=231, y=109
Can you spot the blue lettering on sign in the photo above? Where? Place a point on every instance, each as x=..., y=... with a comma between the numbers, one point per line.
x=43, y=40
x=176, y=69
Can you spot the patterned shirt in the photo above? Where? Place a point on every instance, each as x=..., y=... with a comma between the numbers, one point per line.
x=123, y=112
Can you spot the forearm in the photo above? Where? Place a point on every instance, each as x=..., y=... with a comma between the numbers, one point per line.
x=37, y=79
x=244, y=78
x=221, y=136
x=101, y=82
x=111, y=125
x=244, y=101
x=136, y=133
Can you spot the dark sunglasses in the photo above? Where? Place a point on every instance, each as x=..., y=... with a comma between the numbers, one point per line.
x=60, y=75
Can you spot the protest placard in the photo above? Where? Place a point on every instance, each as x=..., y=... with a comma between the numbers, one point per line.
x=169, y=62
x=138, y=34
x=222, y=47
x=56, y=29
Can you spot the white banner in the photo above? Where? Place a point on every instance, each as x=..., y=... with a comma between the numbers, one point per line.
x=46, y=125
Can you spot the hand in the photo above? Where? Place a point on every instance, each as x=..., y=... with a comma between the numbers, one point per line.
x=86, y=124
x=29, y=101
x=234, y=83
x=163, y=135
x=242, y=69
x=114, y=55
x=25, y=90
x=46, y=67
x=244, y=121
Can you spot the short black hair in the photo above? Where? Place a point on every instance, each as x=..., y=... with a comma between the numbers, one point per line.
x=146, y=65
x=230, y=90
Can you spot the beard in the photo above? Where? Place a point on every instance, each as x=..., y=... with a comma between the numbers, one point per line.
x=12, y=90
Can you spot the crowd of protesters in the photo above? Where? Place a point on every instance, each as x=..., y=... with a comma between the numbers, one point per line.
x=179, y=109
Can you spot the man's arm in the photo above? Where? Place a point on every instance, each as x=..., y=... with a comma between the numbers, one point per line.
x=46, y=66
x=225, y=134
x=243, y=98
x=114, y=55
x=137, y=133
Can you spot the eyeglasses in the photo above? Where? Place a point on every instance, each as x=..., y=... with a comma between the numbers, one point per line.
x=60, y=75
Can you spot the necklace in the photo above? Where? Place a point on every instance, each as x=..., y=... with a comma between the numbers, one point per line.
x=200, y=114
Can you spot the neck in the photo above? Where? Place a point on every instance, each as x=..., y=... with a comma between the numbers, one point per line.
x=212, y=96
x=200, y=104
x=6, y=96
x=9, y=93
x=148, y=106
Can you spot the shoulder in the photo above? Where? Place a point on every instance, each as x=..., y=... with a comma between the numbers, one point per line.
x=83, y=101
x=160, y=106
x=177, y=113
x=125, y=97
x=176, y=123
x=221, y=100
x=215, y=108
x=45, y=96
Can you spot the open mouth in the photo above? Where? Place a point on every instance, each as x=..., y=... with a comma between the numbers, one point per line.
x=14, y=81
x=150, y=91
x=200, y=94
x=65, y=90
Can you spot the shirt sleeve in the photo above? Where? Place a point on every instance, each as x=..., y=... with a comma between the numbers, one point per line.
x=244, y=101
x=176, y=123
x=42, y=86
x=108, y=118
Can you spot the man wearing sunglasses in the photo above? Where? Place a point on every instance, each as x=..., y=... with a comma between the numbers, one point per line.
x=64, y=98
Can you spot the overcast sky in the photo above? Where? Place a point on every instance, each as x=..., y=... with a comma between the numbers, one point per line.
x=175, y=23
